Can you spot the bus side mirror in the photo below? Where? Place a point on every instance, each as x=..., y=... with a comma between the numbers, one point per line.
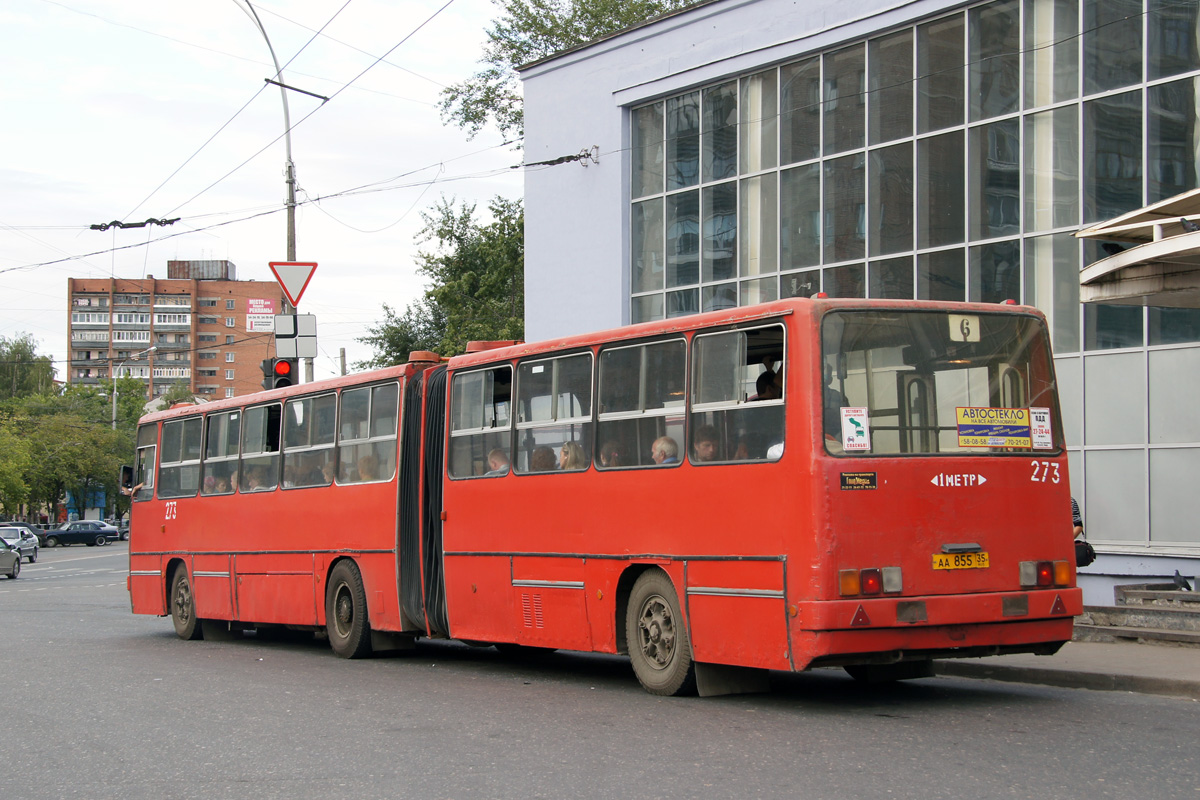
x=126, y=477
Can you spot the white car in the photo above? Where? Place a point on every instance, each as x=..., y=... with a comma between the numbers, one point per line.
x=22, y=541
x=10, y=561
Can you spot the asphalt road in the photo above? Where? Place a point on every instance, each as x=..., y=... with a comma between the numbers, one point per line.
x=99, y=703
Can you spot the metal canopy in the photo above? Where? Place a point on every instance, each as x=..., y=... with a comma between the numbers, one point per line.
x=1157, y=262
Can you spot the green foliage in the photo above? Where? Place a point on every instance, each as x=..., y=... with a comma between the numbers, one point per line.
x=526, y=31
x=13, y=466
x=22, y=371
x=178, y=393
x=476, y=288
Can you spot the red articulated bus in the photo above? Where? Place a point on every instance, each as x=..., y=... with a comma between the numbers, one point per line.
x=858, y=483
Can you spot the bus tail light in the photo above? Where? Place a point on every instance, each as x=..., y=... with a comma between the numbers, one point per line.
x=1045, y=573
x=872, y=581
x=854, y=582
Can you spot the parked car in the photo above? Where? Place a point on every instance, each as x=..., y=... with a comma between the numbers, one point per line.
x=22, y=540
x=10, y=561
x=123, y=530
x=87, y=531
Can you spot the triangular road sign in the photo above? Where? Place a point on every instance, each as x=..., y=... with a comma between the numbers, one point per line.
x=293, y=276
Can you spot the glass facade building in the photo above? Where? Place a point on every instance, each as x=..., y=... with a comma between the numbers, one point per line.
x=954, y=158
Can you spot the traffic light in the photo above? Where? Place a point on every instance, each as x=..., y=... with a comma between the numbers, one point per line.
x=278, y=372
x=283, y=372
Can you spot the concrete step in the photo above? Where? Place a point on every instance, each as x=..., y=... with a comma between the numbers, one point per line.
x=1156, y=594
x=1085, y=632
x=1174, y=618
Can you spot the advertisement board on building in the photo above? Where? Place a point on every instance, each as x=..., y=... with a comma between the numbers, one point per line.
x=260, y=315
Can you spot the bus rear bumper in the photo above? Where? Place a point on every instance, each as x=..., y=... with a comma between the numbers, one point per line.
x=887, y=630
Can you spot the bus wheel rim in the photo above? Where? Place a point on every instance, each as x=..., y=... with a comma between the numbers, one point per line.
x=343, y=610
x=656, y=629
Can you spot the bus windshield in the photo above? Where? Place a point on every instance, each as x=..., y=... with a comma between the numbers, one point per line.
x=936, y=382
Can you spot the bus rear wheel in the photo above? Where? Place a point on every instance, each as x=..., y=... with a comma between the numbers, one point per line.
x=346, y=612
x=183, y=607
x=658, y=641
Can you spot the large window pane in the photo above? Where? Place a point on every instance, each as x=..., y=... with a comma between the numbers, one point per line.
x=1116, y=495
x=892, y=279
x=680, y=304
x=847, y=281
x=800, y=217
x=941, y=276
x=1112, y=44
x=890, y=106
x=646, y=308
x=763, y=290
x=760, y=228
x=1112, y=156
x=845, y=208
x=1052, y=169
x=1172, y=37
x=891, y=198
x=1051, y=51
x=800, y=131
x=717, y=298
x=995, y=31
x=1174, y=501
x=1171, y=132
x=1112, y=327
x=940, y=218
x=683, y=239
x=1174, y=384
x=994, y=208
x=1120, y=378
x=1175, y=326
x=646, y=239
x=720, y=133
x=683, y=141
x=844, y=99
x=719, y=254
x=800, y=284
x=995, y=273
x=647, y=150
x=940, y=59
x=759, y=122
x=1052, y=284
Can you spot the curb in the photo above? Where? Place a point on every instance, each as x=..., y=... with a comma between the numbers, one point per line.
x=1098, y=681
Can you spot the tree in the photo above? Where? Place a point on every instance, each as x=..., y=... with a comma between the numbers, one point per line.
x=476, y=285
x=528, y=30
x=22, y=371
x=13, y=465
x=178, y=393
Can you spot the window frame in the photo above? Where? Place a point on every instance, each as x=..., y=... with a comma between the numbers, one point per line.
x=586, y=421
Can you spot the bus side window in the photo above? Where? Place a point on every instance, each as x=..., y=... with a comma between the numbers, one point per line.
x=641, y=396
x=179, y=472
x=221, y=453
x=554, y=414
x=481, y=423
x=737, y=395
x=147, y=448
x=259, y=469
x=309, y=431
x=367, y=445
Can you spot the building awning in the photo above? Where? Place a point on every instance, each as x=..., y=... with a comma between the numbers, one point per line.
x=1155, y=260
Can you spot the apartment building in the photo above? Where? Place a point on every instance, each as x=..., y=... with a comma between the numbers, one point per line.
x=209, y=330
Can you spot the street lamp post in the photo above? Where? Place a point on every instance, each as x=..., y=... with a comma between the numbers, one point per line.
x=133, y=357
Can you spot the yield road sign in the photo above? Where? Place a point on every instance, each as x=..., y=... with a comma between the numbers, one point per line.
x=293, y=276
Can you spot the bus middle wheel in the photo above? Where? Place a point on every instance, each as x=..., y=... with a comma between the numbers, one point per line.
x=658, y=640
x=346, y=612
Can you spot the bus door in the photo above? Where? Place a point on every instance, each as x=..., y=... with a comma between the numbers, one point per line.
x=422, y=584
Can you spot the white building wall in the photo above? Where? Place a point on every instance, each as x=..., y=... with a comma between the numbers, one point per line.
x=576, y=101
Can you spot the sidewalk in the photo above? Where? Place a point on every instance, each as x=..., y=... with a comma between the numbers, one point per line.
x=1119, y=667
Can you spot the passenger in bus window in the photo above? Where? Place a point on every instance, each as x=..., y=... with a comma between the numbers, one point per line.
x=542, y=460
x=328, y=469
x=571, y=457
x=222, y=486
x=498, y=463
x=665, y=450
x=256, y=480
x=368, y=468
x=610, y=455
x=835, y=400
x=704, y=443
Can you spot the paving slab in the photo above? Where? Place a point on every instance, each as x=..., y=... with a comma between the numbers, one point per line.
x=1107, y=666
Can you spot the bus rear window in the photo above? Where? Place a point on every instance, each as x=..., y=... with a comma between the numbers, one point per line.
x=935, y=382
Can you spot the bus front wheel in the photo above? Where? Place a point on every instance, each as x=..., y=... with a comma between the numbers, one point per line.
x=346, y=612
x=657, y=637
x=183, y=607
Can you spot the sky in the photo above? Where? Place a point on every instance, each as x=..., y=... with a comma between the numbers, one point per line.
x=135, y=109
